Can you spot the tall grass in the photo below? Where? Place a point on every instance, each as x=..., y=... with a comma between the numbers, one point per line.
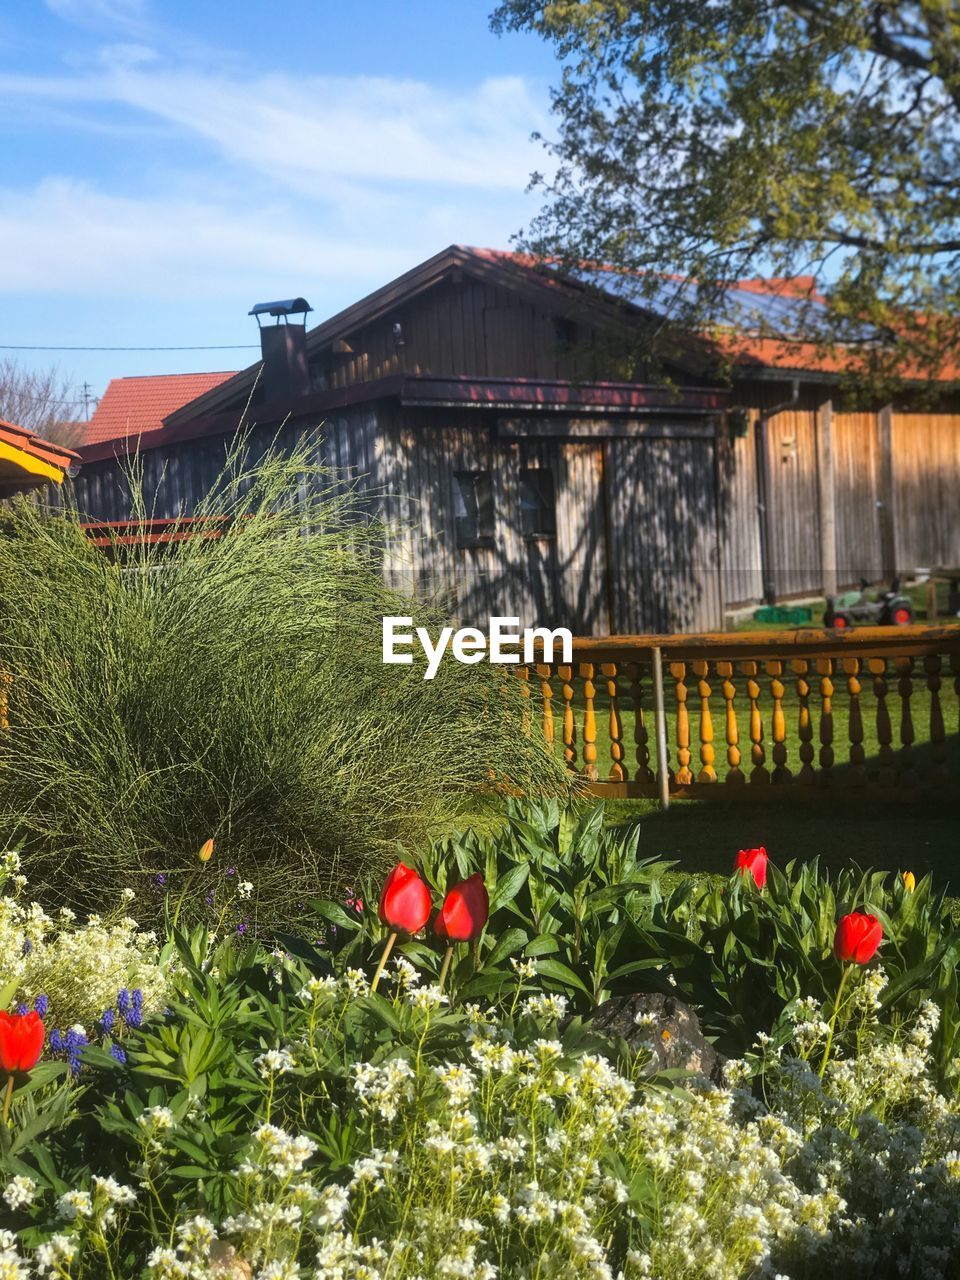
x=232, y=688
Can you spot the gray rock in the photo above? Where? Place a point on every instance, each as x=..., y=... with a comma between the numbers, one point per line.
x=663, y=1026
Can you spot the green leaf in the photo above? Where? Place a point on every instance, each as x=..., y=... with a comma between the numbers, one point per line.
x=508, y=886
x=559, y=972
x=511, y=942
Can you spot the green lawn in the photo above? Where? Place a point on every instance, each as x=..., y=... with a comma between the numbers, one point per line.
x=704, y=836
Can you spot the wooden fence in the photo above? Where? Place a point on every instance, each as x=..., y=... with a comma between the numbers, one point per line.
x=758, y=714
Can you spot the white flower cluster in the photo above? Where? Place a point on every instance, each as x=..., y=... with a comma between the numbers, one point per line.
x=275, y=1062
x=80, y=968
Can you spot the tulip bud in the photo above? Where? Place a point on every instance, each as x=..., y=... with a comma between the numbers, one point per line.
x=857, y=938
x=909, y=881
x=464, y=912
x=405, y=900
x=754, y=862
x=205, y=852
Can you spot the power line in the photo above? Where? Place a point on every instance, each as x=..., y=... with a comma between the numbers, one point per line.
x=244, y=346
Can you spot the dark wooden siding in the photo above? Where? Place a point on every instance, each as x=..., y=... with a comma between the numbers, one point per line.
x=739, y=525
x=473, y=328
x=664, y=536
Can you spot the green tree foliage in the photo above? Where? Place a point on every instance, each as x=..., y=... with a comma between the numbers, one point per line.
x=733, y=138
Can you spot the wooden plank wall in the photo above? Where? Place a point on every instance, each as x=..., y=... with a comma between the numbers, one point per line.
x=794, y=491
x=856, y=492
x=664, y=536
x=412, y=463
x=739, y=526
x=926, y=481
x=468, y=328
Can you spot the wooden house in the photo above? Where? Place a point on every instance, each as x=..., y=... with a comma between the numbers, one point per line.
x=525, y=469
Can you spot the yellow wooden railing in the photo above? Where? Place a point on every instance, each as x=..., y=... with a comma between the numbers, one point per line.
x=758, y=713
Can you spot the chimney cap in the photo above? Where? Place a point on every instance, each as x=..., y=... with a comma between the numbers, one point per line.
x=286, y=307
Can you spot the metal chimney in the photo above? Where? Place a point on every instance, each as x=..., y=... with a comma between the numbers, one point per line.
x=286, y=375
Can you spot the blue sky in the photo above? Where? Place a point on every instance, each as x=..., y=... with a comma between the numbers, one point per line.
x=167, y=163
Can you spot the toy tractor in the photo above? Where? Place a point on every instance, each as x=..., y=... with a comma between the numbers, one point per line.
x=855, y=608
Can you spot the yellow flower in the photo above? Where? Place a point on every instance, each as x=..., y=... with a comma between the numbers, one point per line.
x=206, y=851
x=909, y=881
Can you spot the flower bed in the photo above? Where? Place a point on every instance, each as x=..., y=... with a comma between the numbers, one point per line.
x=312, y=1107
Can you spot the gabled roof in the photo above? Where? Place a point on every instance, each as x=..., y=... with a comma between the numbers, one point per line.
x=597, y=294
x=509, y=270
x=27, y=461
x=133, y=406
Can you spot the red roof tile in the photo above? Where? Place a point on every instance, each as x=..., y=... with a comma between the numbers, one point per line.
x=132, y=406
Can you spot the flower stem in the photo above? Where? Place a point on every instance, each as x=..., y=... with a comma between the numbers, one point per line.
x=383, y=959
x=7, y=1097
x=444, y=968
x=833, y=1021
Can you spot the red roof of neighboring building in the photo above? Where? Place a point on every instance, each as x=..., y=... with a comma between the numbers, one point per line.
x=133, y=406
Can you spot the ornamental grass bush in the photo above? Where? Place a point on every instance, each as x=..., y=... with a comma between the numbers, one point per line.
x=231, y=688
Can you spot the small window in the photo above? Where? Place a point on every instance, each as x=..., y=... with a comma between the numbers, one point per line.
x=473, y=508
x=538, y=505
x=565, y=332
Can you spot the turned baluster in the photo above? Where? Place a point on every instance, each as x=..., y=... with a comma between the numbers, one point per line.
x=641, y=735
x=938, y=744
x=544, y=671
x=684, y=775
x=907, y=764
x=778, y=723
x=731, y=728
x=759, y=773
x=825, y=671
x=885, y=754
x=707, y=753
x=806, y=776
x=858, y=772
x=589, y=722
x=617, y=770
x=569, y=724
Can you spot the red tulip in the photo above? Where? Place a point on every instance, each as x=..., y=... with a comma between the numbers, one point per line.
x=464, y=912
x=753, y=861
x=405, y=900
x=21, y=1041
x=857, y=937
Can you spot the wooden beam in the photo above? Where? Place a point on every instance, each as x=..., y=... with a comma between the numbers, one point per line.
x=826, y=483
x=885, y=498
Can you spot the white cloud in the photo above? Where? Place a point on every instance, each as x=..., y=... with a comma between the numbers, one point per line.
x=261, y=184
x=68, y=238
x=305, y=133
x=127, y=15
